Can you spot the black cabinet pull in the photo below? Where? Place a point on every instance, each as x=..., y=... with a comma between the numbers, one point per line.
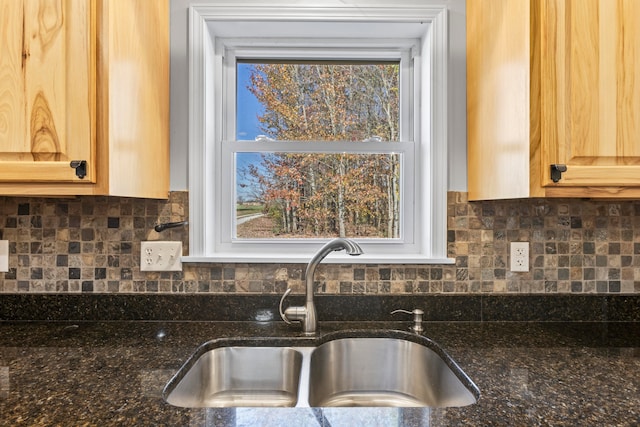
x=556, y=172
x=81, y=168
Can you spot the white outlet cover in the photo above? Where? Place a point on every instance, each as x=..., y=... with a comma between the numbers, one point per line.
x=160, y=256
x=519, y=256
x=4, y=255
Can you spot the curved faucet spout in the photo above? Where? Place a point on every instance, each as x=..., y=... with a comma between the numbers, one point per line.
x=351, y=248
x=307, y=314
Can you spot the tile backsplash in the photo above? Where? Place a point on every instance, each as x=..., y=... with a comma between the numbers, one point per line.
x=92, y=244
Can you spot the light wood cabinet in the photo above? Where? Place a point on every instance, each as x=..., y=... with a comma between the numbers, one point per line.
x=84, y=83
x=553, y=82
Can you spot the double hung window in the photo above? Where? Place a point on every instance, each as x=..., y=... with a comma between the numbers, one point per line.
x=314, y=123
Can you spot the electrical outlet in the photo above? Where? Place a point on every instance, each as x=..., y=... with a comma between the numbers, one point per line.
x=519, y=256
x=4, y=255
x=161, y=256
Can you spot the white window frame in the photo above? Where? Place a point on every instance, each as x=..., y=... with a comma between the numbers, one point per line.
x=212, y=33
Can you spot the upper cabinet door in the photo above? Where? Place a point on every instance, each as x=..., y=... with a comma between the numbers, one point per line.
x=47, y=90
x=590, y=91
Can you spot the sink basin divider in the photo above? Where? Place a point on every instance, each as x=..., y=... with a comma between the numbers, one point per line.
x=305, y=370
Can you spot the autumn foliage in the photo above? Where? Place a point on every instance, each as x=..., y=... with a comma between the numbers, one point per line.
x=329, y=194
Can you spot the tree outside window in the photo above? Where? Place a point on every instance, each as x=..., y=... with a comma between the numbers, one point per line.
x=319, y=195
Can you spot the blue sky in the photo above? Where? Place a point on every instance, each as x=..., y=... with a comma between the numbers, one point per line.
x=248, y=108
x=247, y=124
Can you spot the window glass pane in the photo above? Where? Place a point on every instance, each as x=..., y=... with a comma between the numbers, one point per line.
x=317, y=195
x=321, y=101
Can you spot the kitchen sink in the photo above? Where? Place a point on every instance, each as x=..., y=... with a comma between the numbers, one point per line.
x=240, y=376
x=363, y=368
x=383, y=372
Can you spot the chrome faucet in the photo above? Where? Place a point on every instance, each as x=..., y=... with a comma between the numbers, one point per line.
x=306, y=315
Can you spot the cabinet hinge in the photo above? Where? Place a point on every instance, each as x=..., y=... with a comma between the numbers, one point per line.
x=81, y=168
x=556, y=172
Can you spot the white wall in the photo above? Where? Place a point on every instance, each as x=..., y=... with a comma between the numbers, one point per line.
x=457, y=86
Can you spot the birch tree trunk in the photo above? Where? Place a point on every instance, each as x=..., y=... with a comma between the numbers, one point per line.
x=341, y=207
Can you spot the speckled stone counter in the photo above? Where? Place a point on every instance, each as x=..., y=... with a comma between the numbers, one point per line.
x=113, y=373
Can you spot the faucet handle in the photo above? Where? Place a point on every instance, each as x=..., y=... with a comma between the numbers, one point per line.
x=282, y=314
x=417, y=318
x=297, y=314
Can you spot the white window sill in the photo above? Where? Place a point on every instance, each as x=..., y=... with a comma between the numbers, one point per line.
x=334, y=258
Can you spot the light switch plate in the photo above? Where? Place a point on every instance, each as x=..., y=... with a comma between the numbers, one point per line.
x=161, y=256
x=4, y=255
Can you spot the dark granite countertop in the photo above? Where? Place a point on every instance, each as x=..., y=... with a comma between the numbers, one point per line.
x=113, y=373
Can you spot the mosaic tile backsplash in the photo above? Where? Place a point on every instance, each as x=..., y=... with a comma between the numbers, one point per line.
x=92, y=244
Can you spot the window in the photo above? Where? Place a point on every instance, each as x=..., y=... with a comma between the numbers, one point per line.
x=331, y=163
x=306, y=124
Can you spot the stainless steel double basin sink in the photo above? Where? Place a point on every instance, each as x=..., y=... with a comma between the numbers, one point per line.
x=359, y=368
